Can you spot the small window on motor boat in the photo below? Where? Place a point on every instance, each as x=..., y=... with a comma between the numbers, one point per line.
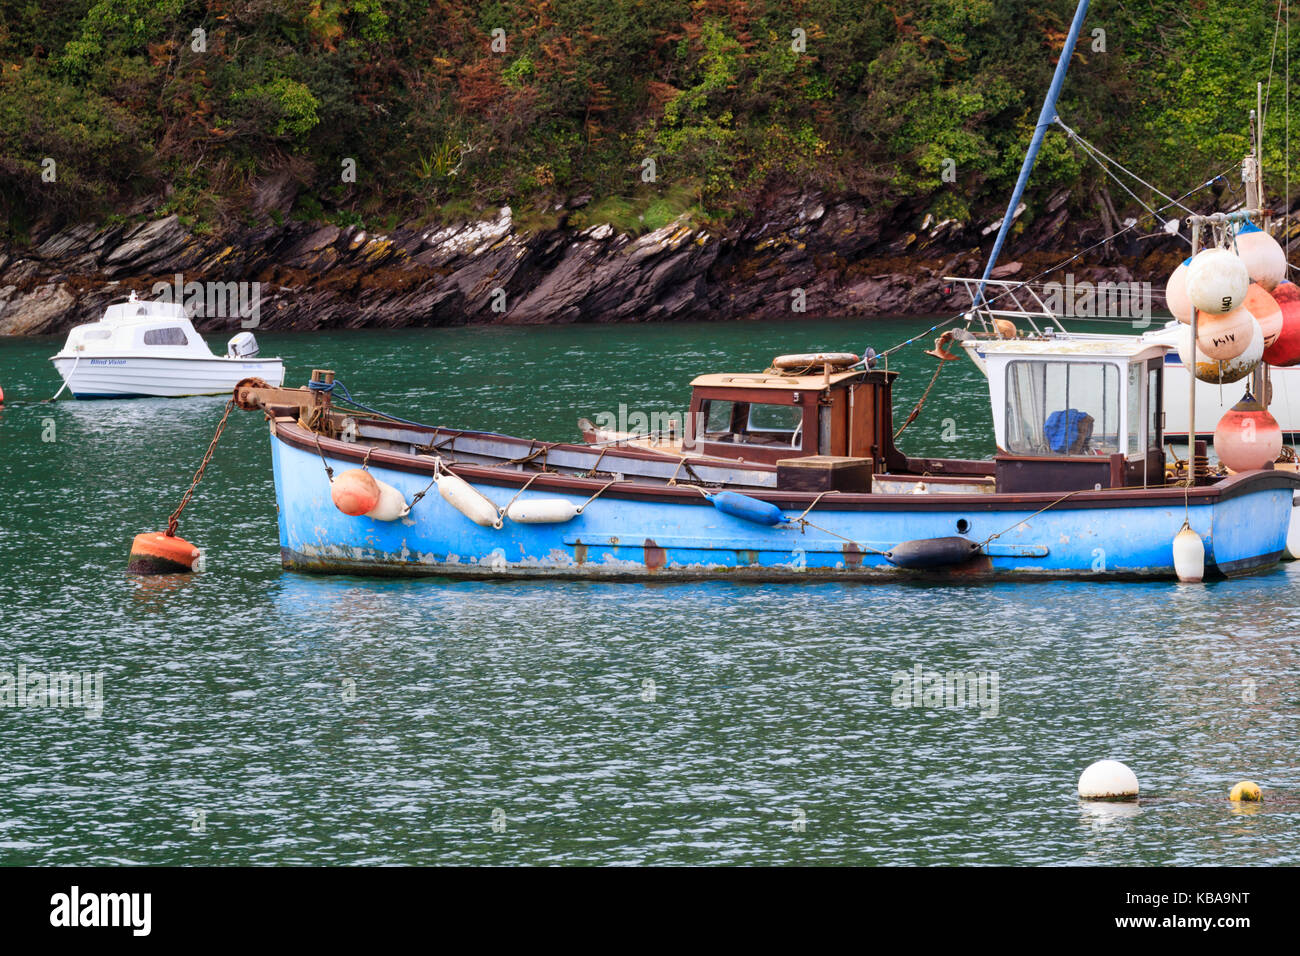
x=1063, y=408
x=168, y=336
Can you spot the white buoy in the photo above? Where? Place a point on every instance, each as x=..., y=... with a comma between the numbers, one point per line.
x=1189, y=555
x=392, y=505
x=1293, y=534
x=1264, y=258
x=466, y=499
x=1108, y=780
x=1226, y=371
x=1217, y=281
x=542, y=511
x=1180, y=307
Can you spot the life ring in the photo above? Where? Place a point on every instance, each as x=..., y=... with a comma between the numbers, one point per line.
x=815, y=360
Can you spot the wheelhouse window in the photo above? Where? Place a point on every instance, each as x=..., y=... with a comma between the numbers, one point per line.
x=751, y=423
x=1063, y=408
x=168, y=336
x=775, y=420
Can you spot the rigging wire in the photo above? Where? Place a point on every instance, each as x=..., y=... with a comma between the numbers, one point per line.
x=969, y=314
x=1091, y=148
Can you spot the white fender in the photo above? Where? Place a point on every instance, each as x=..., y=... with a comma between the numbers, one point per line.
x=1189, y=556
x=542, y=511
x=392, y=505
x=462, y=496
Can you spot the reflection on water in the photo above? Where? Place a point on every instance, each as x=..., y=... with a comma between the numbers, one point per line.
x=351, y=720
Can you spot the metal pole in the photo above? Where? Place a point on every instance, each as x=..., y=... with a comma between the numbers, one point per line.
x=1191, y=370
x=1045, y=118
x=1259, y=377
x=1259, y=147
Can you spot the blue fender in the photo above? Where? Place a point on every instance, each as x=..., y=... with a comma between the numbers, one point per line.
x=750, y=509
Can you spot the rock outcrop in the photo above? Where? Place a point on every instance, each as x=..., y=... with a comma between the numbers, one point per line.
x=798, y=254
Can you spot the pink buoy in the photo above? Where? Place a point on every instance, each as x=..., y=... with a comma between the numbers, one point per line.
x=1265, y=308
x=1247, y=436
x=354, y=492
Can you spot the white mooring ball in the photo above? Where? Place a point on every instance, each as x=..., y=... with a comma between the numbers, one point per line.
x=1176, y=301
x=1263, y=256
x=1217, y=281
x=1108, y=780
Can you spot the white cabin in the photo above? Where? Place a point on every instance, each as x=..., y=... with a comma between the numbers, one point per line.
x=139, y=327
x=1078, y=400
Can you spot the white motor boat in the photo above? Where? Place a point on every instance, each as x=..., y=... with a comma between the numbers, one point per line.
x=146, y=348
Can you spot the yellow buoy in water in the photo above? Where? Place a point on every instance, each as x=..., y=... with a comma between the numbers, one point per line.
x=1247, y=790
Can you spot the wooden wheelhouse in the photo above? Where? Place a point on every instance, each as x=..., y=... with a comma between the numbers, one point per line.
x=770, y=417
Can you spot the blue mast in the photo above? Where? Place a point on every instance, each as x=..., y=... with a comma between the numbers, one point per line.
x=1045, y=118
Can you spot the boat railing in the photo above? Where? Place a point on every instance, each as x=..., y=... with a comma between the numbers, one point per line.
x=1006, y=299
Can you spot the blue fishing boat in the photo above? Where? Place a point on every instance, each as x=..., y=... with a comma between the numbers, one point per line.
x=790, y=474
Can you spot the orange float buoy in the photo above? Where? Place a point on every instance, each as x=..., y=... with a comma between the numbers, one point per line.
x=354, y=492
x=1225, y=335
x=1264, y=308
x=157, y=553
x=1006, y=328
x=1247, y=436
x=2, y=396
x=1285, y=349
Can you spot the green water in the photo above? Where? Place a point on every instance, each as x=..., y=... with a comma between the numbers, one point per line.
x=255, y=716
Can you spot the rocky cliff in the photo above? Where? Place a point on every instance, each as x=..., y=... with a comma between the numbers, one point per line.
x=830, y=256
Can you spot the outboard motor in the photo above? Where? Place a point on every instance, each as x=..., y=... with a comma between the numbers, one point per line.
x=243, y=345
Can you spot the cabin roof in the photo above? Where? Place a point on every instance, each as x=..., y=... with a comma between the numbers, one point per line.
x=788, y=383
x=144, y=310
x=1061, y=347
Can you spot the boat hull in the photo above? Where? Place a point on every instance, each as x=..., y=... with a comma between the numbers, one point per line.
x=171, y=377
x=655, y=535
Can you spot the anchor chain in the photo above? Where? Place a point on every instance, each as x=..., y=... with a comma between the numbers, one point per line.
x=198, y=475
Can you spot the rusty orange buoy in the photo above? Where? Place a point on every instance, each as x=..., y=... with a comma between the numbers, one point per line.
x=354, y=492
x=155, y=552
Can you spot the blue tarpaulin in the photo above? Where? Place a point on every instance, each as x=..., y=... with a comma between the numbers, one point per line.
x=1062, y=429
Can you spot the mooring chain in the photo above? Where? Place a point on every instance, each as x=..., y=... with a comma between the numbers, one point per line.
x=198, y=475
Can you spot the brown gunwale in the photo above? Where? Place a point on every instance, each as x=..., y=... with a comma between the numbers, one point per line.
x=288, y=430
